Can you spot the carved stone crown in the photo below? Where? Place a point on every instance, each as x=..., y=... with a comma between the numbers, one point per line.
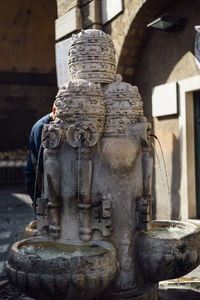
x=80, y=108
x=79, y=97
x=92, y=56
x=124, y=107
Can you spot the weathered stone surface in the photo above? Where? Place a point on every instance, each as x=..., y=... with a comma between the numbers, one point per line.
x=68, y=23
x=64, y=6
x=168, y=252
x=82, y=275
x=92, y=56
x=62, y=68
x=91, y=13
x=120, y=25
x=109, y=11
x=80, y=110
x=124, y=106
x=83, y=2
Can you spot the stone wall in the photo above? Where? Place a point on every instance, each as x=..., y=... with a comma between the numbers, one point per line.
x=27, y=36
x=168, y=57
x=120, y=26
x=27, y=68
x=21, y=106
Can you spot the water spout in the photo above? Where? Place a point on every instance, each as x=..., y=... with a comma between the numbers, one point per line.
x=164, y=163
x=36, y=183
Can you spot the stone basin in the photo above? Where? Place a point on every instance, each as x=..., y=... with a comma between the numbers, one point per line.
x=169, y=250
x=50, y=270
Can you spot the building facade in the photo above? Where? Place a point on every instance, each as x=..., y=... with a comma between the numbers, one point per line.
x=163, y=65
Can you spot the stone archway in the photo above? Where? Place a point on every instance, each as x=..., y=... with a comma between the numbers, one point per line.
x=129, y=31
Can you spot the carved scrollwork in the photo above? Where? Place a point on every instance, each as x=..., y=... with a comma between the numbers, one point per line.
x=51, y=135
x=85, y=132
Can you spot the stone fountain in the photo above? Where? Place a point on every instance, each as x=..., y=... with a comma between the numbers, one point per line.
x=95, y=237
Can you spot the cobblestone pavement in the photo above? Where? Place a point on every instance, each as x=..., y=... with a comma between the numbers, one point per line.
x=16, y=212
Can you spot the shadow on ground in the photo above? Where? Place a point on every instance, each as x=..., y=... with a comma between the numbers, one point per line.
x=177, y=294
x=9, y=292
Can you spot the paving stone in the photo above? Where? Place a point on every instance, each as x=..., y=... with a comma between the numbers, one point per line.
x=4, y=248
x=5, y=235
x=10, y=292
x=15, y=213
x=2, y=267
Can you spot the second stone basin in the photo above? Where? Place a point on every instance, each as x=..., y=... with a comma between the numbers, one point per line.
x=169, y=250
x=50, y=270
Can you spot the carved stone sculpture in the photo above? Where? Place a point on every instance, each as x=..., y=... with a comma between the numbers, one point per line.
x=124, y=107
x=80, y=107
x=96, y=238
x=92, y=56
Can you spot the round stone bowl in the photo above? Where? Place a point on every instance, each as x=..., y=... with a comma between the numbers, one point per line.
x=50, y=270
x=169, y=250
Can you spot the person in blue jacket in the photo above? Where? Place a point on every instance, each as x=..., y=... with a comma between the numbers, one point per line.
x=35, y=153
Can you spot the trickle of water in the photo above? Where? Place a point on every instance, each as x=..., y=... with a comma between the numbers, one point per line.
x=36, y=181
x=79, y=165
x=164, y=163
x=159, y=164
x=161, y=170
